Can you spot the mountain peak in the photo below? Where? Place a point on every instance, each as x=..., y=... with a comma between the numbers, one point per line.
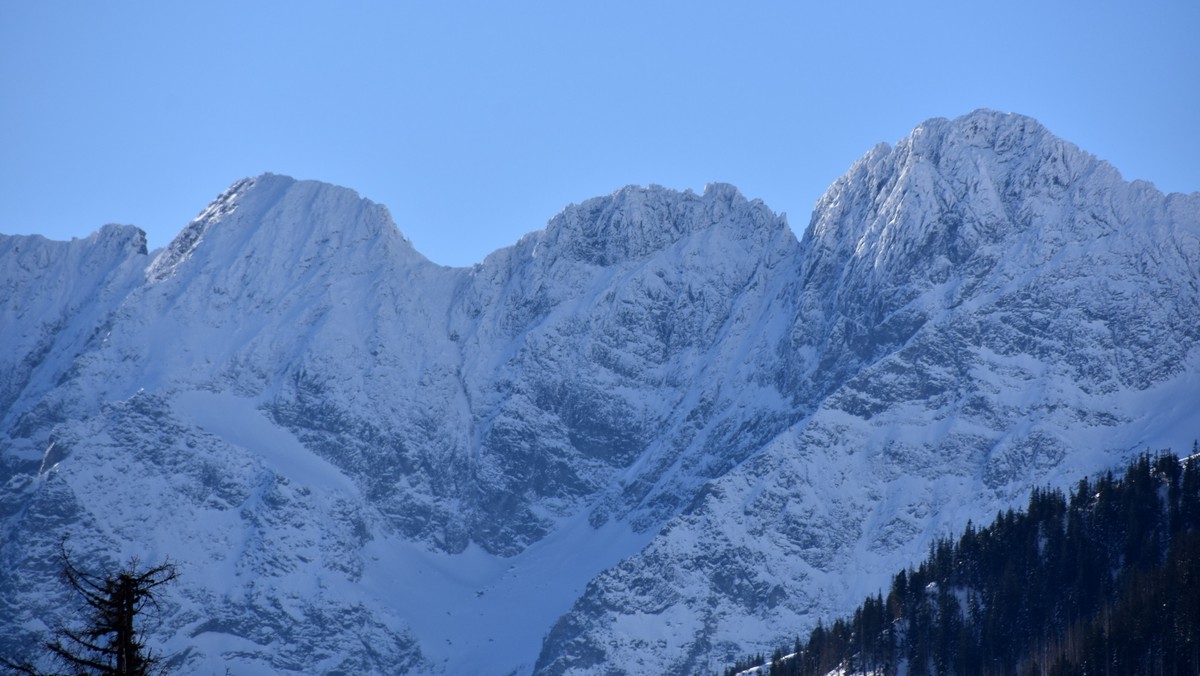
x=983, y=128
x=993, y=173
x=636, y=221
x=278, y=212
x=126, y=238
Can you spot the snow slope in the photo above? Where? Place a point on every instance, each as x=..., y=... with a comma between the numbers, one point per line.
x=657, y=434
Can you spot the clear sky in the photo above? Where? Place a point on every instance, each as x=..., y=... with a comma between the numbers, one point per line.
x=477, y=122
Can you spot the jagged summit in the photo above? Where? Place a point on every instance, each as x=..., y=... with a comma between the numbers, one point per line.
x=1003, y=133
x=297, y=222
x=958, y=212
x=977, y=167
x=123, y=237
x=113, y=238
x=946, y=199
x=636, y=221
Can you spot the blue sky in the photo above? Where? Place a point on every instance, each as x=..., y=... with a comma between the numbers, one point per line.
x=477, y=122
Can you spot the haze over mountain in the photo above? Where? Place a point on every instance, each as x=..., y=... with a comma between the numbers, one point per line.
x=651, y=435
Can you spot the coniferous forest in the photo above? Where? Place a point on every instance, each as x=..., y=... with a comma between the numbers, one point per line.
x=1105, y=580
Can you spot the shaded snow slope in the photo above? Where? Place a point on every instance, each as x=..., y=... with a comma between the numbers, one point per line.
x=655, y=435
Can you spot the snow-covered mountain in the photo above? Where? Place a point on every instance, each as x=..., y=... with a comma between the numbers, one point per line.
x=650, y=437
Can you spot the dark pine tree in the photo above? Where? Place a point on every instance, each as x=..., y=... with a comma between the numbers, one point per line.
x=108, y=641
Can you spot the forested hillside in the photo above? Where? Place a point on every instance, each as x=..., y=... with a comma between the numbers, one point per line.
x=1105, y=580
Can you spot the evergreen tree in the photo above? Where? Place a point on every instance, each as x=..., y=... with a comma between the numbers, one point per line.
x=109, y=642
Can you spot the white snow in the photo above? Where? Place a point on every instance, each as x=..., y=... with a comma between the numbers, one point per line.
x=240, y=423
x=477, y=613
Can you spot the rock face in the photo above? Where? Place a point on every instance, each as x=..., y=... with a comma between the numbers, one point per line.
x=655, y=435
